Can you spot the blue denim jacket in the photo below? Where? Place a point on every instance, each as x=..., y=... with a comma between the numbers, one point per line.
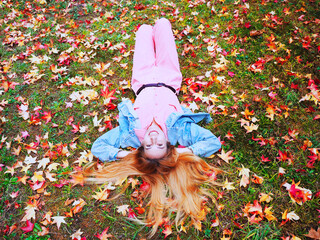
x=182, y=129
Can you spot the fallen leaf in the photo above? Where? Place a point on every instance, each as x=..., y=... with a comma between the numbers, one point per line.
x=58, y=220
x=28, y=228
x=226, y=156
x=123, y=209
x=313, y=233
x=76, y=235
x=228, y=185
x=263, y=197
x=104, y=235
x=251, y=128
x=44, y=231
x=167, y=231
x=269, y=215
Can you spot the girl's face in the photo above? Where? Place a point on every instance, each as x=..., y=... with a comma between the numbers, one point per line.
x=154, y=142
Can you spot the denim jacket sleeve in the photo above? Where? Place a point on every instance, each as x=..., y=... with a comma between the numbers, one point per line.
x=183, y=129
x=203, y=142
x=107, y=146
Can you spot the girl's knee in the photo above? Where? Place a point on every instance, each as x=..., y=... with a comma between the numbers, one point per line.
x=163, y=21
x=145, y=27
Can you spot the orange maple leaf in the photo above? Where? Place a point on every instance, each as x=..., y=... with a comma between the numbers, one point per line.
x=247, y=113
x=78, y=206
x=256, y=179
x=271, y=111
x=77, y=178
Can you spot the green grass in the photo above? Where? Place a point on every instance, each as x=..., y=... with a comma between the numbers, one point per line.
x=68, y=27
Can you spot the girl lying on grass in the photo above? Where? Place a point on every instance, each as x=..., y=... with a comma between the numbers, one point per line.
x=153, y=125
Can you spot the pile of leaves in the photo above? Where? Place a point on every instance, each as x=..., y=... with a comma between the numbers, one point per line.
x=253, y=65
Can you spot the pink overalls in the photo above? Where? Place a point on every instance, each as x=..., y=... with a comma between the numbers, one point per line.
x=155, y=61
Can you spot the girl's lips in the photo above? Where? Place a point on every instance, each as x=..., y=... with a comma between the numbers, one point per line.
x=153, y=131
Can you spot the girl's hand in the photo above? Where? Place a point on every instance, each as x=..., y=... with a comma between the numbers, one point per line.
x=183, y=150
x=122, y=154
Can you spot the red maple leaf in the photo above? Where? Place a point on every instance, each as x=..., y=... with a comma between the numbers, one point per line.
x=265, y=159
x=104, y=235
x=131, y=213
x=140, y=210
x=70, y=120
x=145, y=186
x=108, y=95
x=167, y=231
x=34, y=120
x=29, y=227
x=64, y=59
x=47, y=116
x=76, y=128
x=293, y=133
x=285, y=156
x=299, y=195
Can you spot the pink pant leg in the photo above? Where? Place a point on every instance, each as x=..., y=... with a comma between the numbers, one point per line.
x=143, y=58
x=167, y=62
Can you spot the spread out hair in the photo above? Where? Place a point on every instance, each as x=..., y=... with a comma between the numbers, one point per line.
x=179, y=183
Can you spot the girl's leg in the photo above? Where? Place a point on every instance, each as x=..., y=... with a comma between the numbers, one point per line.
x=143, y=58
x=167, y=60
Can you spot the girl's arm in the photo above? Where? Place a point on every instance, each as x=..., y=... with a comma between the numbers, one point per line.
x=107, y=146
x=201, y=141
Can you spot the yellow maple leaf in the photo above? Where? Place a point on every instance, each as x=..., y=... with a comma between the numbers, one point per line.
x=265, y=197
x=37, y=176
x=197, y=225
x=271, y=112
x=269, y=214
x=251, y=128
x=102, y=195
x=228, y=185
x=247, y=113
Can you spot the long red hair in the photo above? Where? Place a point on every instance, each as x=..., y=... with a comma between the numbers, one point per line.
x=177, y=183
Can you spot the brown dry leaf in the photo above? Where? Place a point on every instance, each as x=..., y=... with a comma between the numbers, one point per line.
x=313, y=233
x=44, y=231
x=255, y=33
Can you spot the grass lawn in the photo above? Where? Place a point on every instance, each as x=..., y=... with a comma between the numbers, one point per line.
x=253, y=65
